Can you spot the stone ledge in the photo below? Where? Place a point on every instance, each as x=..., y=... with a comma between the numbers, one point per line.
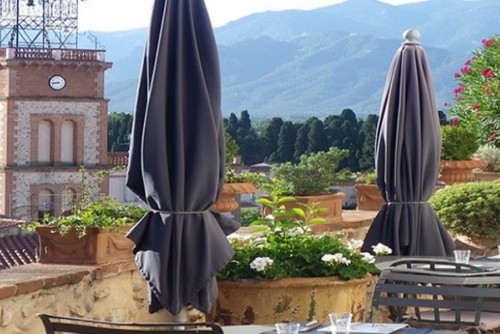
x=32, y=277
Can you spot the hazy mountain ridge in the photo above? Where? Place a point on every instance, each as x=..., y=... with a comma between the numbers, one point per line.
x=297, y=64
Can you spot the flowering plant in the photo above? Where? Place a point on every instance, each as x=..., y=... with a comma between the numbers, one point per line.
x=283, y=246
x=478, y=93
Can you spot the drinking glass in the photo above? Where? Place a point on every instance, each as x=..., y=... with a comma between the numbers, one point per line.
x=462, y=255
x=341, y=322
x=287, y=328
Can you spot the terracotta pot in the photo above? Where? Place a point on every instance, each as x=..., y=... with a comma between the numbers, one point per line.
x=486, y=176
x=227, y=199
x=368, y=197
x=290, y=299
x=454, y=171
x=332, y=203
x=95, y=247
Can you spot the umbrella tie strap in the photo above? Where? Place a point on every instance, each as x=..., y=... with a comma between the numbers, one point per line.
x=180, y=212
x=421, y=202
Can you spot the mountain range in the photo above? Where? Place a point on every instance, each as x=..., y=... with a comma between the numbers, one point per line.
x=301, y=63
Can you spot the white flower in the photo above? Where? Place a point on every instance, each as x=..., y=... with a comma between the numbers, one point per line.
x=354, y=244
x=295, y=231
x=368, y=257
x=260, y=241
x=381, y=249
x=260, y=263
x=270, y=217
x=335, y=258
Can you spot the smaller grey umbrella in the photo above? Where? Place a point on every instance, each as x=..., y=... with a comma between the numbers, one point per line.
x=407, y=155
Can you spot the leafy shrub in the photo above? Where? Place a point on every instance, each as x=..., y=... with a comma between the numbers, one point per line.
x=470, y=209
x=458, y=143
x=491, y=155
x=314, y=174
x=366, y=177
x=248, y=215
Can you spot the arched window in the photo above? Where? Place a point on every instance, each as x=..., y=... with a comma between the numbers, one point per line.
x=45, y=145
x=45, y=203
x=68, y=142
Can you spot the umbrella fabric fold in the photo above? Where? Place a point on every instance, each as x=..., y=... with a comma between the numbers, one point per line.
x=176, y=162
x=407, y=155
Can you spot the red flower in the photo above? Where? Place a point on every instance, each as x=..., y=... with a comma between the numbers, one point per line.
x=459, y=89
x=446, y=104
x=488, y=73
x=475, y=106
x=486, y=89
x=487, y=42
x=467, y=63
x=456, y=75
x=454, y=121
x=465, y=70
x=490, y=137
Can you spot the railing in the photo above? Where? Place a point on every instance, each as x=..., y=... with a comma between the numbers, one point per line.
x=118, y=159
x=52, y=54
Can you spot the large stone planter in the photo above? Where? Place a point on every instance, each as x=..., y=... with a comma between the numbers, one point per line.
x=227, y=199
x=368, y=197
x=454, y=171
x=95, y=247
x=291, y=299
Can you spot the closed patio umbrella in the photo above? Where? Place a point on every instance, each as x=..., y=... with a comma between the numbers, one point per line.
x=407, y=154
x=176, y=163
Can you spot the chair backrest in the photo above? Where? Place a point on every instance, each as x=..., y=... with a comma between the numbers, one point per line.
x=440, y=292
x=62, y=324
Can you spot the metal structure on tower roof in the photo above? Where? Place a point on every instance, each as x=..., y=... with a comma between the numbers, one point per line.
x=44, y=24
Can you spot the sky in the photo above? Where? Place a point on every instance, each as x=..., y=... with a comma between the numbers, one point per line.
x=115, y=15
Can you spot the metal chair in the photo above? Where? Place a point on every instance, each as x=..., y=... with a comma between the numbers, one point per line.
x=63, y=324
x=440, y=294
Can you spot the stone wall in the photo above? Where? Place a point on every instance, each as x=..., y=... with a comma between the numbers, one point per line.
x=111, y=293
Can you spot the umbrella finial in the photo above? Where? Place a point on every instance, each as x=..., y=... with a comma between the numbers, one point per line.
x=411, y=36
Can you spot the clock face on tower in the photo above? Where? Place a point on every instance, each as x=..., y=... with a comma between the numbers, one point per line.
x=57, y=82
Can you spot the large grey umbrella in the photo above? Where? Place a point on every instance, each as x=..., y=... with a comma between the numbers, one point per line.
x=407, y=150
x=176, y=161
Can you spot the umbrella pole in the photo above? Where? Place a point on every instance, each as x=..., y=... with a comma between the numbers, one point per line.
x=182, y=316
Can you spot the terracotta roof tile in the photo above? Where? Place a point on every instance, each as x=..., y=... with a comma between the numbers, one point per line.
x=17, y=250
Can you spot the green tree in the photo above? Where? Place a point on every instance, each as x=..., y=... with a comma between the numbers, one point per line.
x=317, y=140
x=232, y=126
x=301, y=142
x=367, y=135
x=270, y=137
x=286, y=140
x=119, y=127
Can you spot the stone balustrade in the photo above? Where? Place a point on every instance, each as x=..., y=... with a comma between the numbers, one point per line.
x=52, y=54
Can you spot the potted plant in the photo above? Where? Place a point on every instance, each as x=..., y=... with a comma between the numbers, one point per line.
x=458, y=146
x=236, y=184
x=282, y=271
x=368, y=195
x=471, y=212
x=312, y=180
x=491, y=155
x=90, y=232
x=478, y=93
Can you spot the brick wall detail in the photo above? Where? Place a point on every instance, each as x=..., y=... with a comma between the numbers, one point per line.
x=91, y=127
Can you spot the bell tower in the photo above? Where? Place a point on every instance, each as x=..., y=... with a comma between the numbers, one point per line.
x=53, y=114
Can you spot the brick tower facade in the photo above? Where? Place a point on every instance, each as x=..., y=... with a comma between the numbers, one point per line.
x=53, y=120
